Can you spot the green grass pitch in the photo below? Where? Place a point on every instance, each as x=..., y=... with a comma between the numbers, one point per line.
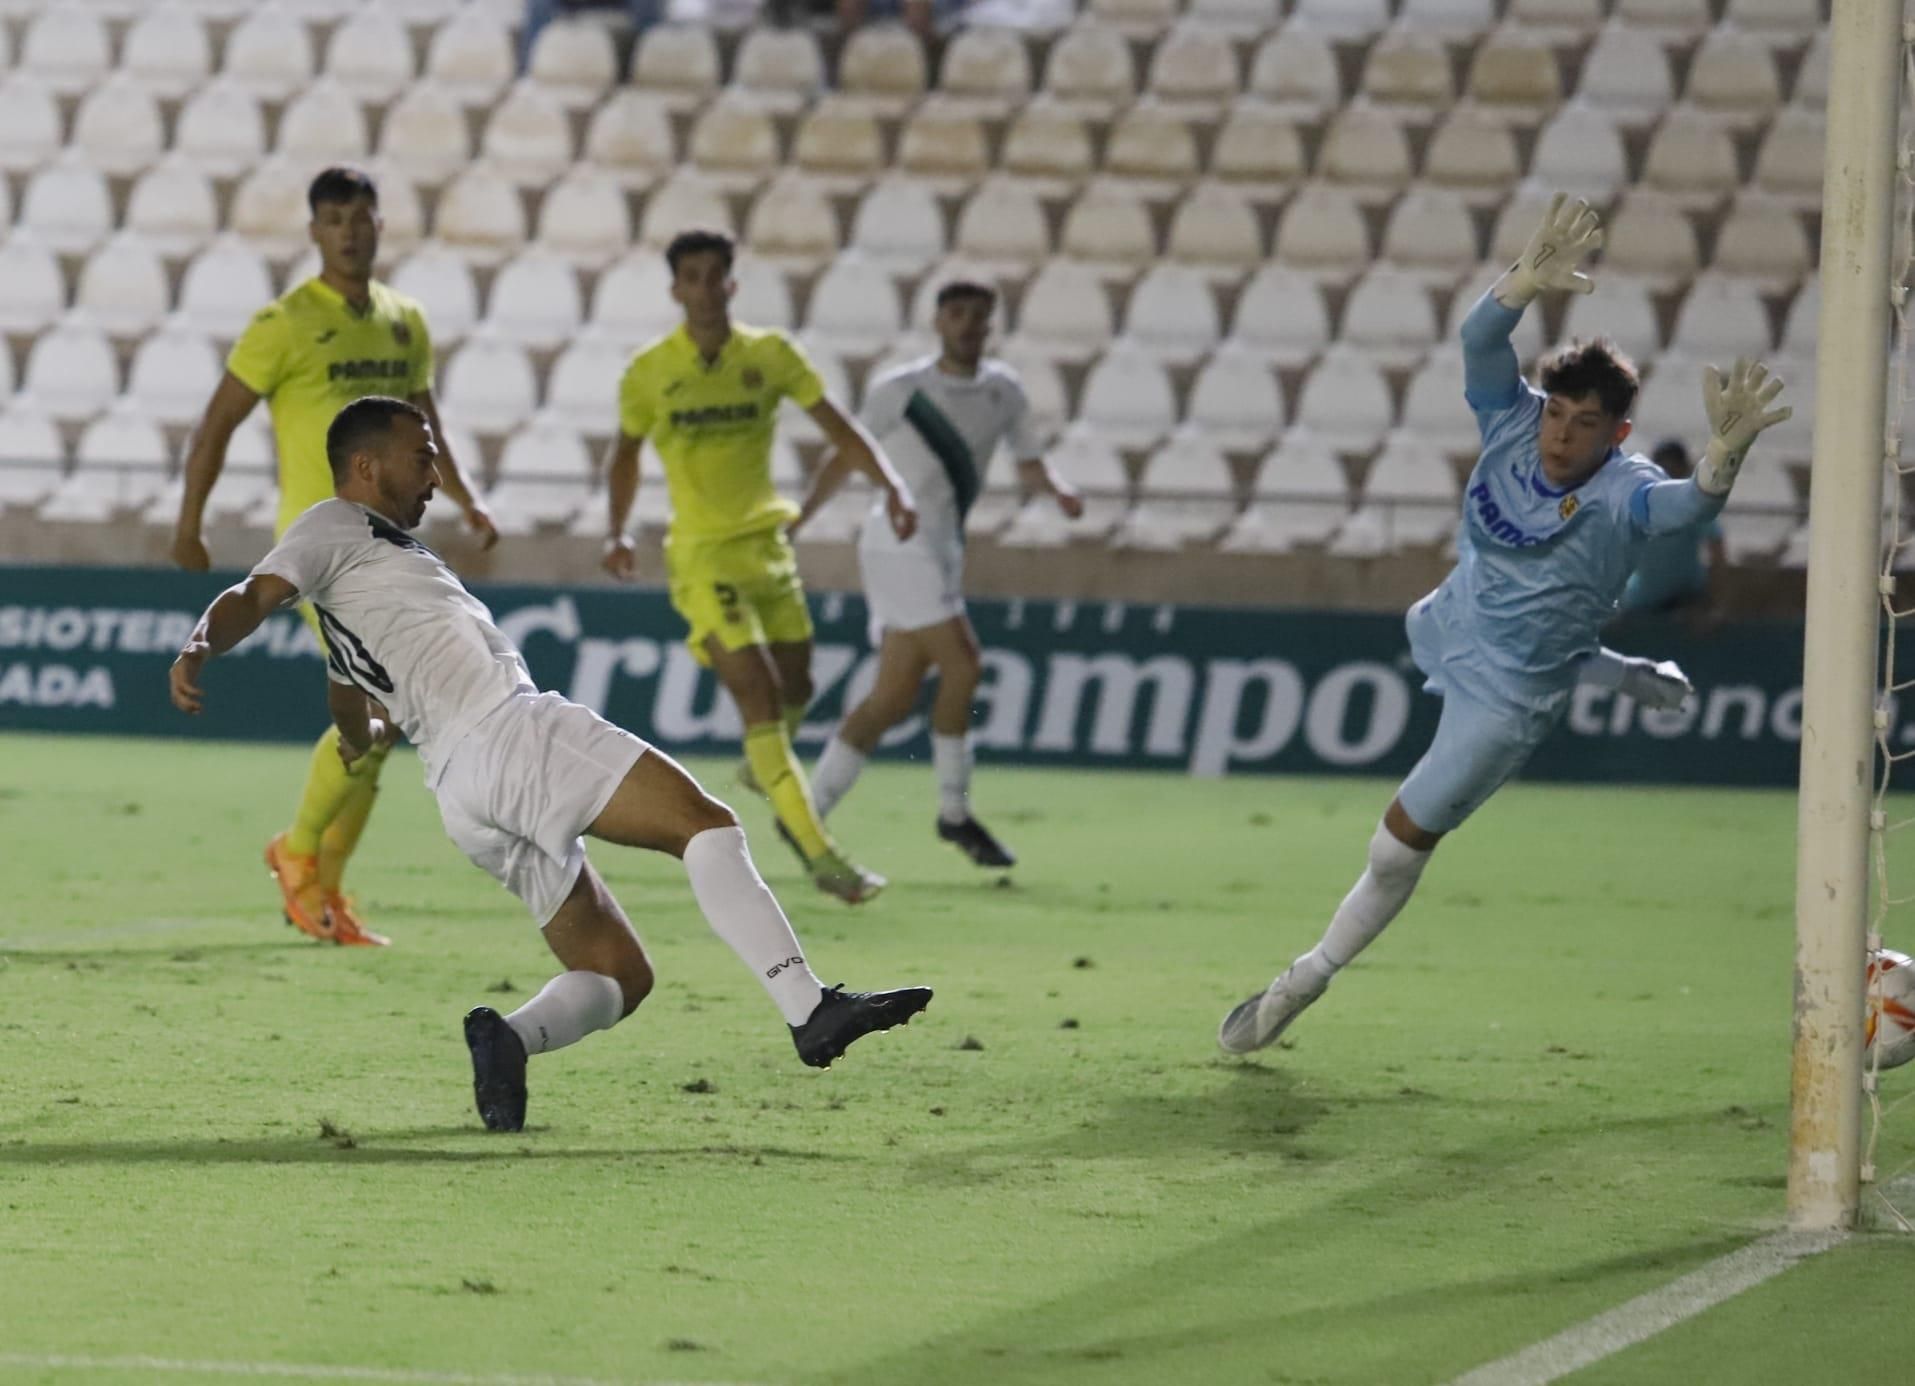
x=1558, y=1082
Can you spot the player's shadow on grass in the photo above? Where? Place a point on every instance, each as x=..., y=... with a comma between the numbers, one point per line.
x=377, y=1148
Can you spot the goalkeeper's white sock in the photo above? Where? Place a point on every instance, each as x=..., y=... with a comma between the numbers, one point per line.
x=1378, y=897
x=572, y=1006
x=740, y=909
x=837, y=770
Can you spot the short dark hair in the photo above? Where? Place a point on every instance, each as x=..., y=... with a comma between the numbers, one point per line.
x=1671, y=450
x=1599, y=368
x=700, y=242
x=362, y=422
x=960, y=289
x=341, y=184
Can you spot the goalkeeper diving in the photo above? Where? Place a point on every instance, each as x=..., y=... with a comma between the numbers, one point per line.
x=1555, y=516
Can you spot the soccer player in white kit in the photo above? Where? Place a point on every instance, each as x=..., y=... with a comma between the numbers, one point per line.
x=520, y=775
x=939, y=420
x=1555, y=517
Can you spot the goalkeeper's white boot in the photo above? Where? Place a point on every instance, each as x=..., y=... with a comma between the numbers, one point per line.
x=1257, y=1022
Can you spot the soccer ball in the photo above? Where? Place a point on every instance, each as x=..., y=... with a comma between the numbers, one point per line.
x=1891, y=1008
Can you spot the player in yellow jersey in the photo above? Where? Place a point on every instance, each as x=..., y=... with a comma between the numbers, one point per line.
x=333, y=339
x=707, y=396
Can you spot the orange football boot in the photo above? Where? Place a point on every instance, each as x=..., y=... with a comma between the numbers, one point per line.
x=300, y=897
x=347, y=927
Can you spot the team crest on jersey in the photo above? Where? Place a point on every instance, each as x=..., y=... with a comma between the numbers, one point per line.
x=401, y=334
x=1569, y=507
x=753, y=378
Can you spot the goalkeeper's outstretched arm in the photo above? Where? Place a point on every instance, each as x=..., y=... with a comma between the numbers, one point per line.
x=1567, y=236
x=1739, y=411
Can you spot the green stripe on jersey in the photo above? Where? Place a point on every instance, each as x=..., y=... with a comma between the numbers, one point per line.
x=948, y=446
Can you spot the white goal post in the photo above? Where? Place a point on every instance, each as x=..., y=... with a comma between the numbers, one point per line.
x=1861, y=174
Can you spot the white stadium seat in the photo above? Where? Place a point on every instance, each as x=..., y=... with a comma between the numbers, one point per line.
x=29, y=123
x=1721, y=318
x=1323, y=232
x=1243, y=20
x=223, y=287
x=781, y=70
x=1296, y=72
x=734, y=144
x=30, y=454
x=1047, y=146
x=1408, y=74
x=573, y=61
x=1516, y=222
x=117, y=129
x=1789, y=163
x=528, y=136
x=1090, y=463
x=1153, y=149
x=1367, y=153
x=1691, y=160
x=839, y=145
x=1580, y=151
x=32, y=289
x=854, y=309
x=269, y=53
x=1431, y=235
x=122, y=460
x=1128, y=399
x=630, y=137
x=166, y=52
x=1672, y=21
x=1671, y=400
x=1186, y=496
x=1194, y=69
x=1109, y=227
x=424, y=134
x=67, y=206
x=370, y=55
x=1389, y=316
x=1766, y=511
x=1235, y=399
x=632, y=302
x=489, y=386
x=1065, y=313
x=583, y=390
x=480, y=215
x=1434, y=408
x=792, y=222
x=221, y=130
x=1410, y=500
x=1344, y=19
x=1044, y=390
x=1626, y=75
x=584, y=217
x=1515, y=76
x=545, y=475
x=1451, y=21
x=1649, y=236
x=883, y=69
x=173, y=206
x=123, y=288
x=1258, y=148
x=67, y=49
x=1733, y=77
x=1346, y=401
x=1281, y=317
x=685, y=199
x=943, y=148
x=1811, y=89
x=1560, y=23
x=1003, y=227
x=173, y=375
x=1144, y=20
x=470, y=57
x=1172, y=315
x=323, y=125
x=1800, y=325
x=1214, y=229
x=1301, y=496
x=1784, y=23
x=1622, y=311
x=1763, y=241
x=1474, y=154
x=71, y=371
x=763, y=298
x=1090, y=69
x=440, y=278
x=898, y=225
x=677, y=63
x=123, y=438
x=986, y=71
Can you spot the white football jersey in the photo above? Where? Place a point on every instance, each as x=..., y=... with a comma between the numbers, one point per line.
x=399, y=624
x=940, y=430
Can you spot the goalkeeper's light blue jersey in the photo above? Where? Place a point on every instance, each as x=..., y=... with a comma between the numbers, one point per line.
x=1539, y=570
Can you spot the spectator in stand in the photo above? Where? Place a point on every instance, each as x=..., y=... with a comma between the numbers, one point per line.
x=922, y=17
x=539, y=13
x=1673, y=574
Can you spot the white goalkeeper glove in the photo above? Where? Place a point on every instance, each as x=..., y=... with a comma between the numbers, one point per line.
x=1553, y=258
x=1658, y=685
x=1736, y=418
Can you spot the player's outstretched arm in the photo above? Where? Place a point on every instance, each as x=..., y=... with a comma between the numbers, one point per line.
x=1738, y=407
x=826, y=482
x=232, y=401
x=1568, y=234
x=478, y=518
x=848, y=438
x=1038, y=476
x=234, y=614
x=621, y=490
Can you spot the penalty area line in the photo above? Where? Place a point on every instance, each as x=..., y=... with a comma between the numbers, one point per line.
x=1649, y=1314
x=302, y=1371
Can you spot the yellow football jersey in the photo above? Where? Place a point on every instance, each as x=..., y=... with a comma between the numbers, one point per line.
x=310, y=353
x=712, y=423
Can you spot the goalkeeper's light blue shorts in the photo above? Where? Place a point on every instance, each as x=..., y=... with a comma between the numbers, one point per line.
x=1484, y=736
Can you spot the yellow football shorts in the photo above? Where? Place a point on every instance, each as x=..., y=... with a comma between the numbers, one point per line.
x=745, y=591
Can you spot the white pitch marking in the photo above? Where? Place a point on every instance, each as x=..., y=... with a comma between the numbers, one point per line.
x=1647, y=1315
x=397, y=1376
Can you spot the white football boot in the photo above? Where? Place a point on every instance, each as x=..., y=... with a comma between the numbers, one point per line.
x=1257, y=1022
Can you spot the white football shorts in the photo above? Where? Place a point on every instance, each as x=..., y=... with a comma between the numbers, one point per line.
x=913, y=585
x=523, y=785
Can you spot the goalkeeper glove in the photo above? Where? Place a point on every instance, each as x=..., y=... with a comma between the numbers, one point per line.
x=1553, y=258
x=1736, y=418
x=1661, y=686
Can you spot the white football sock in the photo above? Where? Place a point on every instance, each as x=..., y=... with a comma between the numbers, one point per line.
x=572, y=1006
x=1378, y=897
x=740, y=909
x=952, y=755
x=837, y=770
